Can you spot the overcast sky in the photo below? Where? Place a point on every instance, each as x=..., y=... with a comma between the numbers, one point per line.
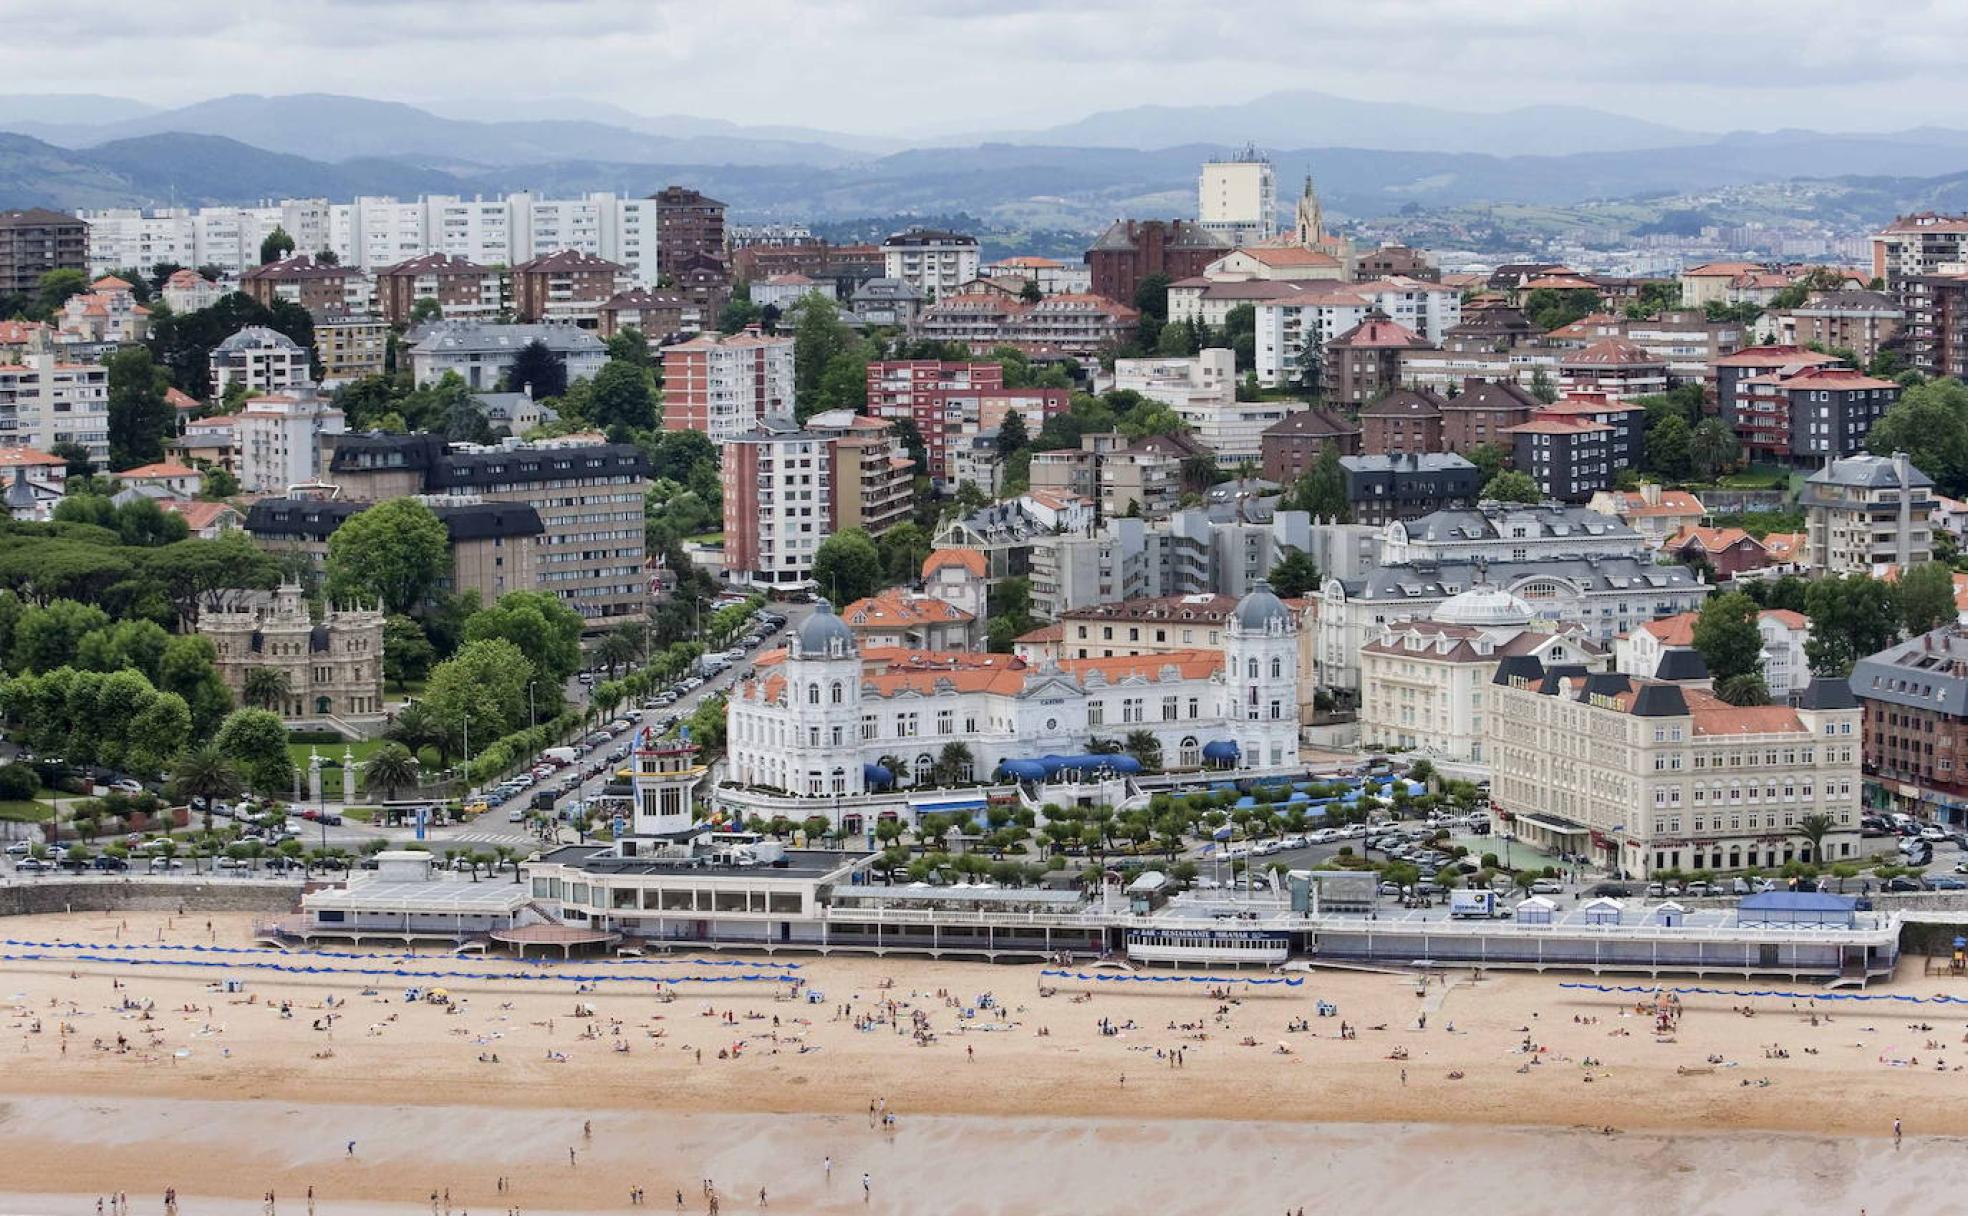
x=938, y=66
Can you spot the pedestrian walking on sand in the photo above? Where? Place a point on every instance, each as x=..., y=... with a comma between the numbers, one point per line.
x=761, y=1196
x=865, y=1182
x=1404, y=1078
x=1896, y=1133
x=351, y=1148
x=828, y=1167
x=570, y=1155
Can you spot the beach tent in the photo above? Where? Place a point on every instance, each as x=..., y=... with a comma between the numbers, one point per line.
x=1670, y=914
x=1602, y=911
x=1537, y=910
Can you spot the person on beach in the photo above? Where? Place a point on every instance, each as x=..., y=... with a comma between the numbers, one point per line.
x=865, y=1187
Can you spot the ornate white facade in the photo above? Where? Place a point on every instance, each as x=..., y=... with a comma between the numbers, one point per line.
x=815, y=723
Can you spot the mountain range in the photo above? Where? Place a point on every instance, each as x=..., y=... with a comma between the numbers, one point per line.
x=1368, y=158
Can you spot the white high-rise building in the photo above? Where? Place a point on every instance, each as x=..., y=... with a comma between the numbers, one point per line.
x=375, y=231
x=1237, y=197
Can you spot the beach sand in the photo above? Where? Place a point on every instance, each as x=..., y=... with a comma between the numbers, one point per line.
x=233, y=1099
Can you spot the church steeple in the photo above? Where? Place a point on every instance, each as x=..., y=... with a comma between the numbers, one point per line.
x=1309, y=224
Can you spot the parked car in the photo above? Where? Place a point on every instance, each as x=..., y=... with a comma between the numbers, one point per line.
x=110, y=865
x=1946, y=883
x=32, y=865
x=1547, y=886
x=127, y=786
x=1698, y=889
x=1901, y=884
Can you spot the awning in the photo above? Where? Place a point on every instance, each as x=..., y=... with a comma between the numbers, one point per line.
x=1553, y=824
x=944, y=804
x=1221, y=751
x=877, y=775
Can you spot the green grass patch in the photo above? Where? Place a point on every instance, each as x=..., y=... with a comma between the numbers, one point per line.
x=26, y=812
x=361, y=814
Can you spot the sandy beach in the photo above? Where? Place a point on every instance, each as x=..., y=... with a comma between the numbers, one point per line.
x=1521, y=1091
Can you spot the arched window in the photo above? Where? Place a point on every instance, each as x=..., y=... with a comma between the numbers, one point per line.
x=837, y=692
x=813, y=694
x=323, y=705
x=1190, y=753
x=1250, y=669
x=1277, y=669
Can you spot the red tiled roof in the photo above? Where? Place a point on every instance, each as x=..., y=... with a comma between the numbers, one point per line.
x=969, y=559
x=1612, y=352
x=163, y=468
x=897, y=609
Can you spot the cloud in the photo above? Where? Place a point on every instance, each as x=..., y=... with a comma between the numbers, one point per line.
x=917, y=65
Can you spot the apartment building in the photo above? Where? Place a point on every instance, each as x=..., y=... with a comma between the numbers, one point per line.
x=1080, y=327
x=460, y=287
x=261, y=360
x=1864, y=513
x=1132, y=250
x=1202, y=391
x=1365, y=361
x=934, y=262
x=872, y=476
x=1615, y=367
x=1786, y=670
x=1292, y=445
x=725, y=386
x=351, y=346
x=689, y=227
x=492, y=544
x=1819, y=413
x=1051, y=276
x=188, y=291
x=1644, y=776
x=1914, y=695
x=952, y=403
x=1237, y=198
x=34, y=241
x=778, y=503
x=1382, y=488
x=1483, y=412
x=1123, y=476
x=1653, y=512
x=45, y=401
x=283, y=439
x=588, y=494
x=1569, y=459
x=1626, y=446
x=323, y=288
x=656, y=315
x=1863, y=322
x=1936, y=333
x=1922, y=244
x=1403, y=420
x=1294, y=327
x=481, y=353
x=566, y=286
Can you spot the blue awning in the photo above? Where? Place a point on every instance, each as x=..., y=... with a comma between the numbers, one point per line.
x=877, y=775
x=1221, y=751
x=943, y=804
x=1022, y=770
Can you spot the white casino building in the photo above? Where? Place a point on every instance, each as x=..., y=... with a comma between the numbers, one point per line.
x=818, y=723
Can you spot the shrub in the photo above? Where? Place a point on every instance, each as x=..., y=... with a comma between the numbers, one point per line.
x=18, y=782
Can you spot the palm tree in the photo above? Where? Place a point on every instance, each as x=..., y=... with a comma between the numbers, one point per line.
x=953, y=763
x=1145, y=747
x=897, y=766
x=1098, y=746
x=390, y=767
x=206, y=773
x=1814, y=827
x=619, y=649
x=266, y=687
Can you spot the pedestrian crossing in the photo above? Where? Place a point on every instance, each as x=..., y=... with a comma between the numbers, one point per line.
x=512, y=838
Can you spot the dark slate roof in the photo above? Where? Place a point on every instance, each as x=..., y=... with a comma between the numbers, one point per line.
x=319, y=518
x=1868, y=472
x=1659, y=701
x=1681, y=663
x=1426, y=580
x=1518, y=666
x=459, y=470
x=1824, y=692
x=1927, y=672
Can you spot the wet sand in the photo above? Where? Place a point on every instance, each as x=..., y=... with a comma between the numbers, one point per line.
x=953, y=1166
x=223, y=1096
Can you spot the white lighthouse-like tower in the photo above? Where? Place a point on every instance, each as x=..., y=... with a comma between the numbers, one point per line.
x=823, y=700
x=1260, y=681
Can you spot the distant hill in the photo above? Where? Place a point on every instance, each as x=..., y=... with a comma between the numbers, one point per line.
x=326, y=126
x=17, y=108
x=190, y=171
x=1305, y=118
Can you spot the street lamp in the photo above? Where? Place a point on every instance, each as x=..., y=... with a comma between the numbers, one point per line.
x=532, y=717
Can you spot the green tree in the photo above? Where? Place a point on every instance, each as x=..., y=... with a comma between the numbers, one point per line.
x=1144, y=747
x=847, y=567
x=394, y=553
x=482, y=687
x=255, y=741
x=621, y=397
x=407, y=653
x=49, y=637
x=902, y=548
x=818, y=336
x=1011, y=433
x=206, y=773
x=1713, y=447
x=540, y=624
x=629, y=346
x=54, y=287
x=1151, y=296
x=425, y=309
x=1746, y=688
x=1852, y=616
x=1670, y=449
x=140, y=420
x=1512, y=486
x=277, y=245
x=1930, y=424
x=535, y=366
x=1489, y=459
x=1926, y=594
x=1727, y=636
x=1322, y=489
x=1294, y=574
x=189, y=668
x=1541, y=386
x=390, y=768
x=194, y=574
x=1814, y=827
x=266, y=687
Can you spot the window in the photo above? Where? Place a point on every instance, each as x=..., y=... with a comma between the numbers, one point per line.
x=837, y=692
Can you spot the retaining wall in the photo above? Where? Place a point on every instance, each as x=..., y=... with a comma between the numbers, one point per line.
x=147, y=895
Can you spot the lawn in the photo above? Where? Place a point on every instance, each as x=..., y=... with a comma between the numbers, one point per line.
x=26, y=812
